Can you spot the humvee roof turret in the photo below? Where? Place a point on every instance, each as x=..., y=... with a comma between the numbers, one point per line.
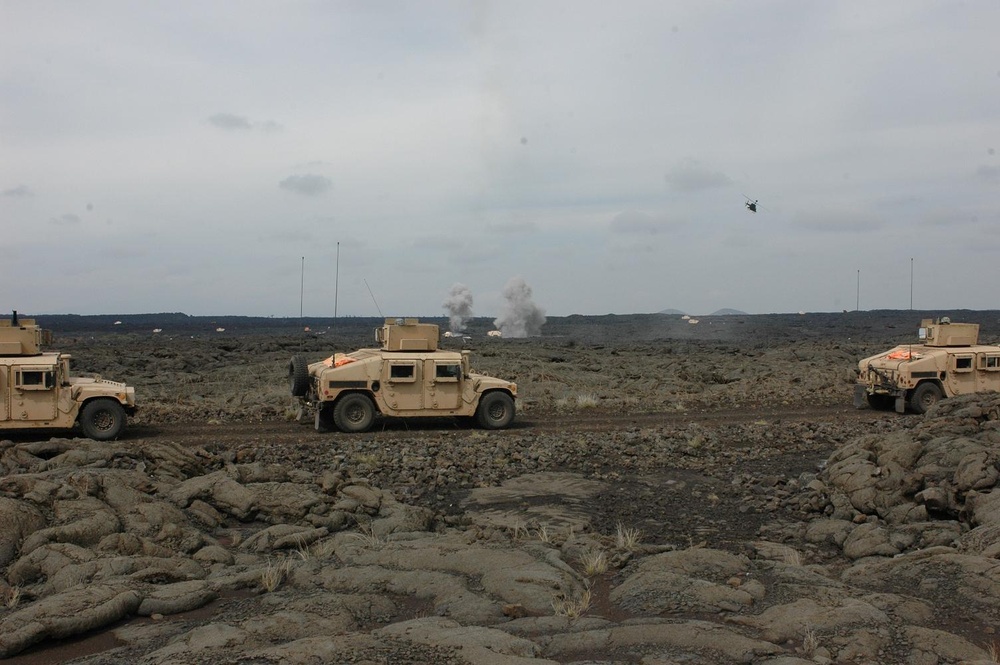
x=407, y=376
x=947, y=360
x=37, y=391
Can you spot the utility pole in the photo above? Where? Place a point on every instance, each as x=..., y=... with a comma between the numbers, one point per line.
x=911, y=283
x=302, y=286
x=857, y=305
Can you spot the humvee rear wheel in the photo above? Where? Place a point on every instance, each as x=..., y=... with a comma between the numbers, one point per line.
x=495, y=411
x=354, y=413
x=298, y=375
x=102, y=419
x=924, y=397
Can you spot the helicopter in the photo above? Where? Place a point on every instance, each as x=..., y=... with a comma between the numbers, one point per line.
x=750, y=204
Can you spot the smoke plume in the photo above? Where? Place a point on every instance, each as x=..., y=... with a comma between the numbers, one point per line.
x=459, y=307
x=521, y=317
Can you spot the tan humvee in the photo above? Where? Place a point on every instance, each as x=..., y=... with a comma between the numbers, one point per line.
x=947, y=360
x=36, y=389
x=407, y=376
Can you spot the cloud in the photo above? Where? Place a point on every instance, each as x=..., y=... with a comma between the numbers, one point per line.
x=988, y=174
x=833, y=221
x=289, y=236
x=309, y=184
x=20, y=191
x=68, y=219
x=511, y=228
x=946, y=219
x=633, y=221
x=441, y=242
x=690, y=176
x=230, y=121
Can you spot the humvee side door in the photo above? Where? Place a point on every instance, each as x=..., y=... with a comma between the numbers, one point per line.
x=988, y=376
x=444, y=384
x=4, y=395
x=33, y=395
x=962, y=374
x=402, y=385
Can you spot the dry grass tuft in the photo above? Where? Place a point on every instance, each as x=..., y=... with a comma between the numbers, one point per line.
x=323, y=549
x=577, y=402
x=518, y=531
x=274, y=575
x=993, y=649
x=627, y=538
x=809, y=643
x=572, y=608
x=594, y=562
x=366, y=534
x=13, y=597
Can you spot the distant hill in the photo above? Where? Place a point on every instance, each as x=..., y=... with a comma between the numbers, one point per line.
x=728, y=312
x=672, y=311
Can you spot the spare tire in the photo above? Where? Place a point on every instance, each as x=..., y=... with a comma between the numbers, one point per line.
x=298, y=375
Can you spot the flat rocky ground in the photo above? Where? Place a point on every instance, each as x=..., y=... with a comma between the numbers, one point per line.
x=670, y=493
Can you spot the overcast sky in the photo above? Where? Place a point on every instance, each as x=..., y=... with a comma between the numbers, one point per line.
x=186, y=156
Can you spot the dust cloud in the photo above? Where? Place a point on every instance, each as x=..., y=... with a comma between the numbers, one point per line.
x=521, y=317
x=458, y=306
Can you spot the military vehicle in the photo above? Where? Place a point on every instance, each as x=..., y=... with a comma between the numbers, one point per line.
x=947, y=360
x=37, y=391
x=408, y=376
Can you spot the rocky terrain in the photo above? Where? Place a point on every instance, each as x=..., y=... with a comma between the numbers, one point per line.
x=670, y=493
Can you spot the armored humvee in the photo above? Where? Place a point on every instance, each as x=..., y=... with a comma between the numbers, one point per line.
x=947, y=360
x=407, y=376
x=36, y=389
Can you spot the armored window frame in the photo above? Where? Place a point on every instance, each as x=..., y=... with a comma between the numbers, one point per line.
x=447, y=372
x=963, y=364
x=990, y=363
x=35, y=378
x=402, y=372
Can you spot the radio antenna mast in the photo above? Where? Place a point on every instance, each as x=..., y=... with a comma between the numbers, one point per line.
x=373, y=299
x=336, y=284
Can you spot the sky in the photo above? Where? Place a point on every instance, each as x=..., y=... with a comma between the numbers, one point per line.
x=365, y=159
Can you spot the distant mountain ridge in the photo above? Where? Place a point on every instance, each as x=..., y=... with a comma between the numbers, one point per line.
x=719, y=312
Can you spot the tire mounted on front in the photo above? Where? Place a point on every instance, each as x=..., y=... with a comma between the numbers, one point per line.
x=298, y=376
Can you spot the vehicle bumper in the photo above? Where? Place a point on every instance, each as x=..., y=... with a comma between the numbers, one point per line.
x=862, y=391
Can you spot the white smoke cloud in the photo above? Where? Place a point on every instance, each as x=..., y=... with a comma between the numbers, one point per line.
x=459, y=307
x=309, y=184
x=521, y=317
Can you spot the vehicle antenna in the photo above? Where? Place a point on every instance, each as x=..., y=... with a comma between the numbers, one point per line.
x=373, y=299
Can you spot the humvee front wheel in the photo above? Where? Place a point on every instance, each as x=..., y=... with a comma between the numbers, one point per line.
x=924, y=397
x=354, y=413
x=102, y=419
x=495, y=411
